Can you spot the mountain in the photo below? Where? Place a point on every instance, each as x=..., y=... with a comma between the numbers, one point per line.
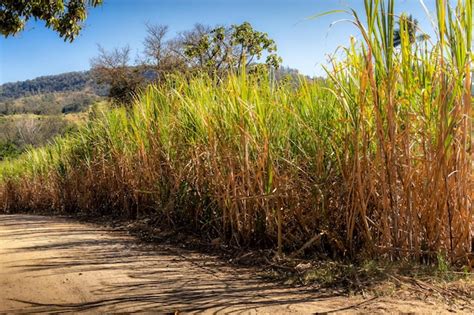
x=65, y=82
x=48, y=95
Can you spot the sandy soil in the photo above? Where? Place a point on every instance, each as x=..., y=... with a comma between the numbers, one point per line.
x=55, y=265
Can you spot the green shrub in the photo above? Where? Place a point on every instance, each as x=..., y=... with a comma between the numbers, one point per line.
x=8, y=150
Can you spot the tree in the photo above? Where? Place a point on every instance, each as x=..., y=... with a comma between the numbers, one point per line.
x=114, y=69
x=251, y=43
x=155, y=45
x=160, y=54
x=63, y=16
x=196, y=38
x=224, y=48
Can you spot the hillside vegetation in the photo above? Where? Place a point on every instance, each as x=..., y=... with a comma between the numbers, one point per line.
x=19, y=133
x=65, y=82
x=373, y=162
x=31, y=111
x=51, y=95
x=50, y=104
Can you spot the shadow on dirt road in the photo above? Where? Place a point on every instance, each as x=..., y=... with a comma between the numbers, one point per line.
x=56, y=265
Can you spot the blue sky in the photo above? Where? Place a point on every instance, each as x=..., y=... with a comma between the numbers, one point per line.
x=303, y=44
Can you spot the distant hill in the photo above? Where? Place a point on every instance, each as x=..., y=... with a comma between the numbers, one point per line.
x=65, y=82
x=49, y=95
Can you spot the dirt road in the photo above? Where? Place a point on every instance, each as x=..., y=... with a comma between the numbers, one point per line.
x=55, y=265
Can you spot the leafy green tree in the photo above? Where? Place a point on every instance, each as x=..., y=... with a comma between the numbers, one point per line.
x=224, y=48
x=252, y=44
x=63, y=16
